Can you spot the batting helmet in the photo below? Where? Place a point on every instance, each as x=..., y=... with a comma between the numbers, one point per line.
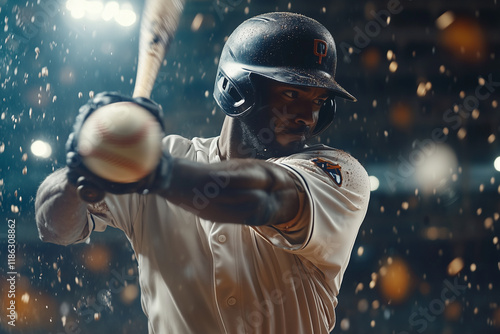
x=285, y=47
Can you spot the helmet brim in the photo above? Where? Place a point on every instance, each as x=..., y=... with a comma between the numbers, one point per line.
x=298, y=77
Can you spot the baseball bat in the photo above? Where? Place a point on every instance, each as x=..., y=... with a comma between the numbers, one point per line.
x=159, y=22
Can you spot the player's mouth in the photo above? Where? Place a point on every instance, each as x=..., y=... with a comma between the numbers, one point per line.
x=288, y=136
x=294, y=136
x=300, y=132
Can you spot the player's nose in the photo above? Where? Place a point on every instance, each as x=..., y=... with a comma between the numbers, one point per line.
x=306, y=114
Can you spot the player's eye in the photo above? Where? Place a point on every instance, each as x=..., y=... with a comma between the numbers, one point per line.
x=291, y=94
x=319, y=102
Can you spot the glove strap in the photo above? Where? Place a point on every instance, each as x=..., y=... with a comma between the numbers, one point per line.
x=159, y=182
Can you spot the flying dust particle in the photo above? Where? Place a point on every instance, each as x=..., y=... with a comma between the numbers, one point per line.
x=488, y=223
x=345, y=324
x=475, y=114
x=361, y=250
x=393, y=66
x=461, y=133
x=390, y=55
x=455, y=266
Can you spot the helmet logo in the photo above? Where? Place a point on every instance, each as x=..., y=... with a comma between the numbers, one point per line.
x=320, y=49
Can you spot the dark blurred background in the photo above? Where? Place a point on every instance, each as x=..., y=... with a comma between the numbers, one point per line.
x=426, y=74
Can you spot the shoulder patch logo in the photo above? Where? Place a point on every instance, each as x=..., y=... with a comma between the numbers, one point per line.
x=333, y=170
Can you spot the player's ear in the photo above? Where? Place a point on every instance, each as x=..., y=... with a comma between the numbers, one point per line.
x=263, y=91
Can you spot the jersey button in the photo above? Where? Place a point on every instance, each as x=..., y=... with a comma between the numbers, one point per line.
x=222, y=238
x=231, y=301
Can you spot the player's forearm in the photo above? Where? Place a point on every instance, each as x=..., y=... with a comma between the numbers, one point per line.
x=248, y=192
x=60, y=214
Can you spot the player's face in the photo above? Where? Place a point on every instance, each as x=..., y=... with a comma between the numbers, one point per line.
x=286, y=119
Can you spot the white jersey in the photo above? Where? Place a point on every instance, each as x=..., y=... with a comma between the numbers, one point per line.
x=200, y=276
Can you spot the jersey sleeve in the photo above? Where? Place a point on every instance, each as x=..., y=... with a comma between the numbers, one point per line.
x=118, y=211
x=337, y=190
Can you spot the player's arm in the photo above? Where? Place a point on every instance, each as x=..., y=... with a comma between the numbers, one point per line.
x=60, y=214
x=243, y=191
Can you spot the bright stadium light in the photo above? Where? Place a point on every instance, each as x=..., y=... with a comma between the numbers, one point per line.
x=374, y=183
x=76, y=7
x=41, y=149
x=126, y=16
x=434, y=166
x=94, y=9
x=110, y=10
x=496, y=164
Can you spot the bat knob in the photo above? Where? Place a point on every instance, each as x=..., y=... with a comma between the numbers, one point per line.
x=89, y=192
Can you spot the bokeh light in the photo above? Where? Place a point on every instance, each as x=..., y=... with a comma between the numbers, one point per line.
x=94, y=10
x=41, y=149
x=126, y=16
x=434, y=165
x=401, y=115
x=109, y=10
x=395, y=280
x=496, y=164
x=464, y=40
x=374, y=183
x=96, y=258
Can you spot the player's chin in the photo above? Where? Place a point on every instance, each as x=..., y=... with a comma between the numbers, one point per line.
x=291, y=143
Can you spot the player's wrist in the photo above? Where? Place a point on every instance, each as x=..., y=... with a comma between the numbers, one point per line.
x=160, y=181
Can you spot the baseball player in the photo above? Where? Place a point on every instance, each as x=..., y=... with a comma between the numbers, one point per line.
x=247, y=232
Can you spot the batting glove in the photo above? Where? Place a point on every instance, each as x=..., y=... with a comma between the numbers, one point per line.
x=92, y=188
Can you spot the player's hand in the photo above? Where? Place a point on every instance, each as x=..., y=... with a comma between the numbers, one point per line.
x=92, y=188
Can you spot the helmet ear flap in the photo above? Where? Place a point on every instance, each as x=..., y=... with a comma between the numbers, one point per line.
x=234, y=92
x=326, y=116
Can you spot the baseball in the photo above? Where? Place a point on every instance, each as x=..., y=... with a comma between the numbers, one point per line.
x=120, y=142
